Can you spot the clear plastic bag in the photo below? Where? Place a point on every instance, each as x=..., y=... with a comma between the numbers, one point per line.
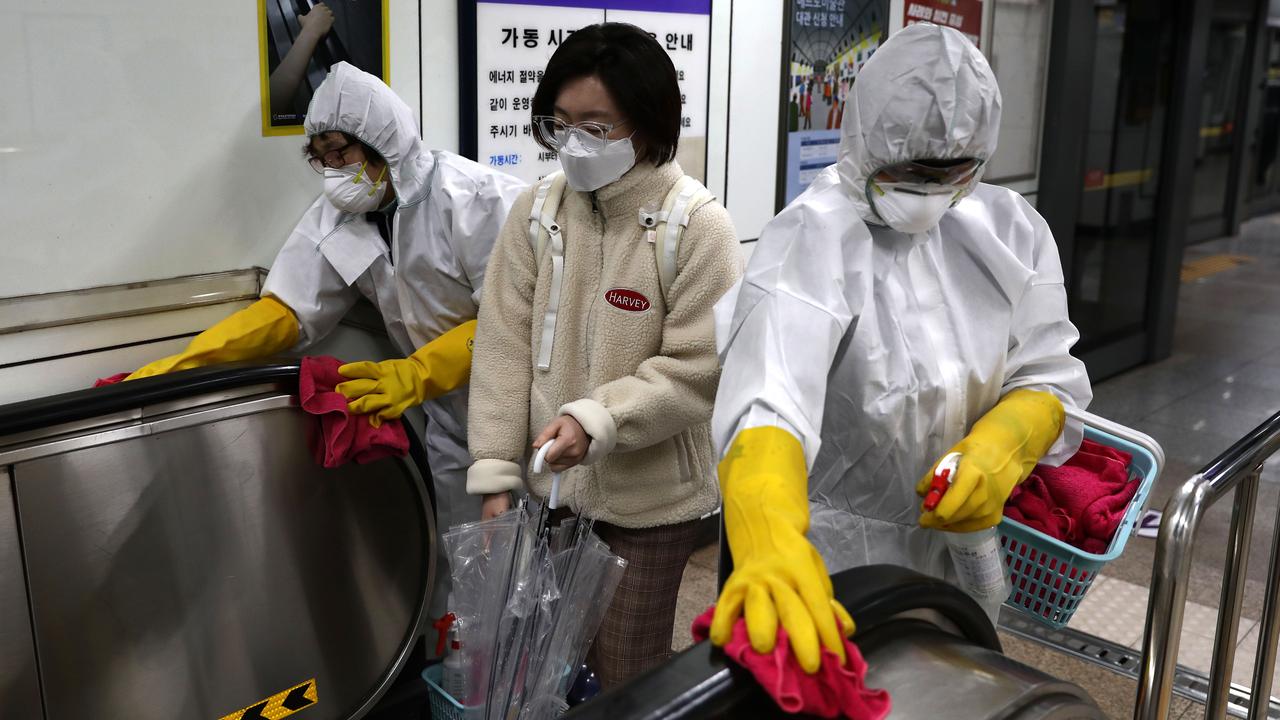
x=591, y=574
x=530, y=598
x=480, y=559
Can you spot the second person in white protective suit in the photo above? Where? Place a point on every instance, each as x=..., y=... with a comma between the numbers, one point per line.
x=897, y=310
x=410, y=230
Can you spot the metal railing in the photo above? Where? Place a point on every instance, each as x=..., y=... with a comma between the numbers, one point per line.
x=1238, y=469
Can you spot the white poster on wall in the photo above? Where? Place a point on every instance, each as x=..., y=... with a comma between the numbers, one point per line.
x=515, y=39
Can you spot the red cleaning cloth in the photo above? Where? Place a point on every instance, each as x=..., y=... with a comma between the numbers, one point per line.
x=1082, y=502
x=344, y=437
x=112, y=380
x=833, y=691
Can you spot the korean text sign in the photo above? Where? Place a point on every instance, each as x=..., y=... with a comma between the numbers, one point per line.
x=515, y=39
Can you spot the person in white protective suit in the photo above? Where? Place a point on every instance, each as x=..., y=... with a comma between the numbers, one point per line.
x=896, y=310
x=408, y=228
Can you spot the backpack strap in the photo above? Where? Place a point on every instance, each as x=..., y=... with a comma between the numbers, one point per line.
x=668, y=225
x=544, y=232
x=542, y=214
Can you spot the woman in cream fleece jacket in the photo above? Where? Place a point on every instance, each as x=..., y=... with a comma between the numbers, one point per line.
x=628, y=390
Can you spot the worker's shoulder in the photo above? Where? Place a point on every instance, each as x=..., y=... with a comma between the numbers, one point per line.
x=1003, y=210
x=455, y=173
x=824, y=212
x=997, y=195
x=999, y=213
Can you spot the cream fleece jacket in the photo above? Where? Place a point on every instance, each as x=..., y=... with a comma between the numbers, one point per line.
x=639, y=375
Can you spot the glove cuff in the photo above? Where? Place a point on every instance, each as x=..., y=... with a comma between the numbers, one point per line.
x=764, y=472
x=444, y=364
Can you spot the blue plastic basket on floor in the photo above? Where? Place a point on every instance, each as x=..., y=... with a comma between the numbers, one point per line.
x=1049, y=577
x=443, y=706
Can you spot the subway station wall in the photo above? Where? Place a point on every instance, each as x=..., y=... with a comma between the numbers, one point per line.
x=131, y=146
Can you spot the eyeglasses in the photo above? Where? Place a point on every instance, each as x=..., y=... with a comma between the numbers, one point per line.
x=958, y=171
x=335, y=158
x=556, y=132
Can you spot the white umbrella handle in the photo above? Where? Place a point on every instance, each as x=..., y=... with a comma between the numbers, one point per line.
x=539, y=461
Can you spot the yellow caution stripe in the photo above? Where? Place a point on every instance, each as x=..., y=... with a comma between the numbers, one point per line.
x=1097, y=180
x=282, y=704
x=1212, y=265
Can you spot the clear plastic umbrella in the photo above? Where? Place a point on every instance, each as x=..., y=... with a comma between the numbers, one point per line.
x=529, y=598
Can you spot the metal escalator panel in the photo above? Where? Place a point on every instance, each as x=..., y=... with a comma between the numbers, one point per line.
x=196, y=563
x=934, y=674
x=19, y=681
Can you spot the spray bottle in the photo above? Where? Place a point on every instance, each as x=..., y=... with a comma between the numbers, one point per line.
x=979, y=562
x=454, y=675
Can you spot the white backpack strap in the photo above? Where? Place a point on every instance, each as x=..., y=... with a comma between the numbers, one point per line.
x=546, y=203
x=543, y=230
x=686, y=196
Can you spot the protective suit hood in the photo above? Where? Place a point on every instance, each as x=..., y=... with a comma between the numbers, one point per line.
x=359, y=104
x=927, y=93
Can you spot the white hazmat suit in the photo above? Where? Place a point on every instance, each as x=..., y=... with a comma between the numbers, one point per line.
x=426, y=281
x=878, y=349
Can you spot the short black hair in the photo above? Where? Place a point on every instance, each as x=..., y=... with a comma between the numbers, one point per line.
x=638, y=74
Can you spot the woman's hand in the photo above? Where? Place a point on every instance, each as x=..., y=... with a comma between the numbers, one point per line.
x=571, y=443
x=494, y=505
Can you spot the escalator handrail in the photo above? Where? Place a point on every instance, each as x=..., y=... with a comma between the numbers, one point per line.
x=702, y=682
x=80, y=405
x=879, y=592
x=88, y=403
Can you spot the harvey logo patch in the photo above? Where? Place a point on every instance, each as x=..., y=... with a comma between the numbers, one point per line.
x=628, y=300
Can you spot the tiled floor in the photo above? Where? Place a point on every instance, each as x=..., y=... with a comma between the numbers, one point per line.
x=1116, y=610
x=1221, y=381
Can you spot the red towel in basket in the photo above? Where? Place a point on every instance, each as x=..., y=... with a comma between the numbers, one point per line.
x=1082, y=502
x=344, y=437
x=833, y=691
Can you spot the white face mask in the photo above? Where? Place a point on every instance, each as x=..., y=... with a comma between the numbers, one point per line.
x=350, y=189
x=588, y=169
x=909, y=211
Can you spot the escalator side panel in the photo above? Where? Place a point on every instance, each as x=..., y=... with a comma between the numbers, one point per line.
x=194, y=572
x=932, y=674
x=19, y=680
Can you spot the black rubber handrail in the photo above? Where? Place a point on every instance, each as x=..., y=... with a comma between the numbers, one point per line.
x=80, y=405
x=701, y=682
x=94, y=402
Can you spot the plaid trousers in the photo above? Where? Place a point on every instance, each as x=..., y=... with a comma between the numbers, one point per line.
x=636, y=632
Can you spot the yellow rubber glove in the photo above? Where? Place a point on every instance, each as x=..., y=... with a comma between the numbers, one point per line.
x=386, y=389
x=778, y=574
x=266, y=327
x=998, y=453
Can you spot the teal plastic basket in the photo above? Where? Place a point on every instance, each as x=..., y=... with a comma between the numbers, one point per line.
x=1049, y=577
x=443, y=706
